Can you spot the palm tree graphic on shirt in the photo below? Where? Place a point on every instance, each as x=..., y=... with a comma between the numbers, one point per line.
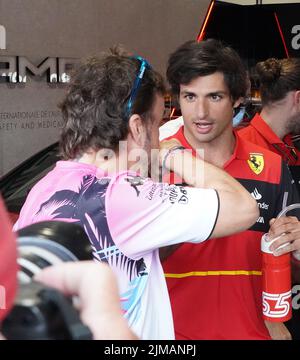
x=87, y=208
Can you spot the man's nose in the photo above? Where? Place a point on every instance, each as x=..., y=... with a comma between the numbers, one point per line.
x=202, y=109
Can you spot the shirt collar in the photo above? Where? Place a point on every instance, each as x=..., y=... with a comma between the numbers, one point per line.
x=264, y=130
x=283, y=147
x=239, y=152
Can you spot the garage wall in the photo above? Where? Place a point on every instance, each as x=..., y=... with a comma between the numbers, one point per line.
x=37, y=29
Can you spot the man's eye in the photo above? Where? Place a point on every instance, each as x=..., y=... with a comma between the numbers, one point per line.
x=189, y=97
x=216, y=97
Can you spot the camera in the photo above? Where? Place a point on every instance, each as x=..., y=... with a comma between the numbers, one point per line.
x=39, y=312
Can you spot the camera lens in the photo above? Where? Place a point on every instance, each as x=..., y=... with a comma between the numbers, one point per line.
x=40, y=312
x=49, y=243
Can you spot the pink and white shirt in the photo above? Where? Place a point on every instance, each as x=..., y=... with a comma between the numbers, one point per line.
x=127, y=219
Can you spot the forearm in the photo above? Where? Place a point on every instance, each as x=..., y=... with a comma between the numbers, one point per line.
x=198, y=173
x=238, y=209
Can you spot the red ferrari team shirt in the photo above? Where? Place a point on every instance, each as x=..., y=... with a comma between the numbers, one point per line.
x=216, y=287
x=260, y=133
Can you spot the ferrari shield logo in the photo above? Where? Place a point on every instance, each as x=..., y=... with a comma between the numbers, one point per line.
x=256, y=163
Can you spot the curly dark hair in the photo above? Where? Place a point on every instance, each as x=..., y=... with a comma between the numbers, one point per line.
x=94, y=109
x=276, y=77
x=194, y=59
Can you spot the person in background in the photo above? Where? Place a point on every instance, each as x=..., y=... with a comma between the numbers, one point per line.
x=215, y=287
x=85, y=279
x=111, y=117
x=279, y=118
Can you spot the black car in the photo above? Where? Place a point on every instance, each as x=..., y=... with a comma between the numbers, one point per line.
x=16, y=184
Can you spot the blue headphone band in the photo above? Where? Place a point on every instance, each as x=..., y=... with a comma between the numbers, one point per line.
x=144, y=65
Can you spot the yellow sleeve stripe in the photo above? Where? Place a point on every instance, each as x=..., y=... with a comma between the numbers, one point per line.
x=214, y=273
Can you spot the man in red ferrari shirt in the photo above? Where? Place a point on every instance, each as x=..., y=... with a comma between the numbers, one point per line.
x=280, y=115
x=216, y=288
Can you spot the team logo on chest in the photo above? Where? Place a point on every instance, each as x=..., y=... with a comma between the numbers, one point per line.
x=256, y=162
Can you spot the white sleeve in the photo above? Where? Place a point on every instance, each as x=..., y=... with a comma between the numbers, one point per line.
x=170, y=128
x=151, y=215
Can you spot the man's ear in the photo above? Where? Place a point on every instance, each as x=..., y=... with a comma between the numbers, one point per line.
x=137, y=129
x=238, y=102
x=297, y=97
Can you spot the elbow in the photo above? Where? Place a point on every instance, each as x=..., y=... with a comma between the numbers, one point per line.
x=252, y=211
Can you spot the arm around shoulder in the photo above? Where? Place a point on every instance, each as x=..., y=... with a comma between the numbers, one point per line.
x=238, y=210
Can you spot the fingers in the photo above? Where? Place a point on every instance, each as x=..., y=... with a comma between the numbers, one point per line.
x=286, y=232
x=168, y=144
x=283, y=225
x=65, y=277
x=89, y=280
x=272, y=221
x=278, y=331
x=95, y=285
x=290, y=242
x=52, y=277
x=280, y=251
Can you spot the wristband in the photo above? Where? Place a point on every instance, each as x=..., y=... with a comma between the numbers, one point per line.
x=175, y=148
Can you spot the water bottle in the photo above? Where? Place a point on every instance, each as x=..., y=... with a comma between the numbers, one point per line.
x=276, y=277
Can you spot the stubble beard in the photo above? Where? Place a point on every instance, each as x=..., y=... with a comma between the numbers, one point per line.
x=293, y=127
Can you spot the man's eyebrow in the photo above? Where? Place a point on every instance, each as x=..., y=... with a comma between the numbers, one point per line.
x=217, y=92
x=187, y=92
